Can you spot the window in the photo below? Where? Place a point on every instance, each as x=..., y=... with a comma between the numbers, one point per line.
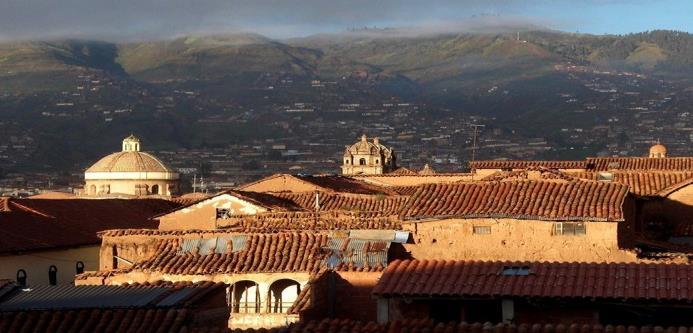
x=362, y=161
x=481, y=229
x=569, y=228
x=223, y=213
x=516, y=270
x=53, y=275
x=21, y=277
x=346, y=161
x=79, y=267
x=155, y=189
x=377, y=161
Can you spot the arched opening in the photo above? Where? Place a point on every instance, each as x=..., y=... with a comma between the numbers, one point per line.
x=79, y=267
x=21, y=277
x=245, y=297
x=346, y=161
x=283, y=294
x=377, y=161
x=52, y=275
x=362, y=161
x=155, y=189
x=92, y=189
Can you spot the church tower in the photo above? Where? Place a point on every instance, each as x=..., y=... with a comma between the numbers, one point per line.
x=368, y=158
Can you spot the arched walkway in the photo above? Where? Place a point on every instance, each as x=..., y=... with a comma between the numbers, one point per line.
x=283, y=293
x=245, y=297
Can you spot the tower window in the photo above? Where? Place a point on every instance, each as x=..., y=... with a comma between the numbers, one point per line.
x=53, y=275
x=223, y=213
x=21, y=277
x=79, y=267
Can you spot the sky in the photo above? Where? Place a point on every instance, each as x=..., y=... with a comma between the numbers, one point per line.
x=117, y=20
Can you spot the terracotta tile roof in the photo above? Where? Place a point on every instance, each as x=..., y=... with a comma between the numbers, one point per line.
x=576, y=200
x=381, y=204
x=639, y=163
x=644, y=183
x=404, y=171
x=188, y=198
x=204, y=252
x=429, y=326
x=97, y=320
x=281, y=252
x=616, y=281
x=286, y=221
x=524, y=174
x=514, y=164
x=344, y=184
x=39, y=224
x=171, y=307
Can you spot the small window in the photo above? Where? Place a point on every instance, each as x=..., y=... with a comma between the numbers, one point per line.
x=21, y=277
x=79, y=267
x=223, y=213
x=346, y=161
x=516, y=270
x=481, y=229
x=377, y=162
x=569, y=228
x=362, y=161
x=53, y=275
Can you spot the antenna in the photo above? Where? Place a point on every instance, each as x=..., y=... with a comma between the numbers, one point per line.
x=195, y=183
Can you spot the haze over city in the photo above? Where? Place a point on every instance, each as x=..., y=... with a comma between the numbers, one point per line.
x=152, y=19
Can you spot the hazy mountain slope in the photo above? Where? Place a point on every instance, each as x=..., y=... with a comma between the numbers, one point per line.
x=213, y=57
x=31, y=66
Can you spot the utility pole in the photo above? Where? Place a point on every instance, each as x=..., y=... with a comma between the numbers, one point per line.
x=474, y=139
x=195, y=183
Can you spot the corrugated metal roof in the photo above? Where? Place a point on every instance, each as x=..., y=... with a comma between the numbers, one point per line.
x=79, y=297
x=207, y=246
x=357, y=252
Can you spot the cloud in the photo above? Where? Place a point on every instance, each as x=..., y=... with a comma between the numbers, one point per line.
x=150, y=19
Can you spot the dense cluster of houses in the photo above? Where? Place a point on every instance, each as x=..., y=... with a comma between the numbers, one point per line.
x=597, y=245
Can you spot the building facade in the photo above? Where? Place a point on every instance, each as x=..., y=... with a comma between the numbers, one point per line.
x=368, y=158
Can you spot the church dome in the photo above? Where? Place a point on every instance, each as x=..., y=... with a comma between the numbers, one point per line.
x=658, y=151
x=130, y=163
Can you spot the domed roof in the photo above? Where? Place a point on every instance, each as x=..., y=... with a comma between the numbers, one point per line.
x=131, y=159
x=658, y=150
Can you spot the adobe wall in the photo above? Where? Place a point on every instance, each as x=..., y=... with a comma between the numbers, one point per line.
x=403, y=180
x=353, y=295
x=512, y=239
x=280, y=184
x=202, y=216
x=36, y=264
x=670, y=211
